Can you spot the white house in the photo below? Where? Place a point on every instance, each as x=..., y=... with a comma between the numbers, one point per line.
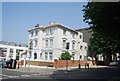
x=10, y=50
x=46, y=43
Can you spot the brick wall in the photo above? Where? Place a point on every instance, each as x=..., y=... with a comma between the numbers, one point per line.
x=71, y=63
x=58, y=63
x=39, y=63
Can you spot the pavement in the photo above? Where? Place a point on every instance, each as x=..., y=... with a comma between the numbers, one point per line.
x=51, y=70
x=35, y=72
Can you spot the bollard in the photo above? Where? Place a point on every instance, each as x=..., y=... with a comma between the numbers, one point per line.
x=88, y=65
x=79, y=66
x=18, y=65
x=85, y=65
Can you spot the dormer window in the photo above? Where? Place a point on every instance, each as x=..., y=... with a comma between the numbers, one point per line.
x=64, y=32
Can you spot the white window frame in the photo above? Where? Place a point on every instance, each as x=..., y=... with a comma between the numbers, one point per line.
x=51, y=42
x=73, y=45
x=46, y=55
x=64, y=43
x=36, y=43
x=46, y=43
x=50, y=55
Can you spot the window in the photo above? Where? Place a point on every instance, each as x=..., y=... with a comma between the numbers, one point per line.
x=31, y=45
x=40, y=55
x=35, y=55
x=51, y=32
x=50, y=55
x=36, y=32
x=51, y=42
x=73, y=35
x=85, y=48
x=31, y=33
x=46, y=56
x=73, y=45
x=81, y=47
x=80, y=36
x=47, y=32
x=64, y=32
x=64, y=43
x=46, y=43
x=11, y=50
x=36, y=43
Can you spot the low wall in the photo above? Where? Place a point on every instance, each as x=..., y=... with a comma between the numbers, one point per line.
x=71, y=63
x=58, y=63
x=40, y=63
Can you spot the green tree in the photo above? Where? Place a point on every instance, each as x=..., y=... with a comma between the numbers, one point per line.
x=65, y=56
x=104, y=18
x=100, y=45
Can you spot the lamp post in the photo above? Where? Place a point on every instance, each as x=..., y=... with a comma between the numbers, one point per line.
x=79, y=66
x=67, y=47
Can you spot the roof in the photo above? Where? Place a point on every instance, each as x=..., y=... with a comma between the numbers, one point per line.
x=50, y=26
x=83, y=29
x=13, y=44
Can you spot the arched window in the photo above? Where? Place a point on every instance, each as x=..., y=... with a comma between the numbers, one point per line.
x=35, y=55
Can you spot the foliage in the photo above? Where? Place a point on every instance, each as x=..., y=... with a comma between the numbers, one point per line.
x=65, y=56
x=104, y=20
x=99, y=44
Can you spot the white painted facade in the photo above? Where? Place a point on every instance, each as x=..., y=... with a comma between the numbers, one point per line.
x=10, y=52
x=49, y=42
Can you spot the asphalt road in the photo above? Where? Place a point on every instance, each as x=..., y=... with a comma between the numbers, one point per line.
x=109, y=74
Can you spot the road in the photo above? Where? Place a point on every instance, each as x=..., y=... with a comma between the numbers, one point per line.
x=97, y=73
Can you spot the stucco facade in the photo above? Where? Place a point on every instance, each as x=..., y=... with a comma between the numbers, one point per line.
x=10, y=50
x=46, y=43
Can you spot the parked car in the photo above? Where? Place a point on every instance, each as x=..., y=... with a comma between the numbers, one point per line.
x=3, y=64
x=113, y=64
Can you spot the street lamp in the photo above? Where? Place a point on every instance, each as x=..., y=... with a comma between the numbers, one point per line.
x=67, y=47
x=79, y=62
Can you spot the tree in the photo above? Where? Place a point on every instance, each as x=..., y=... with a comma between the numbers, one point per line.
x=104, y=18
x=100, y=45
x=65, y=56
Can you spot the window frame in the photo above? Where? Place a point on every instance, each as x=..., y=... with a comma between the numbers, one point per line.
x=46, y=55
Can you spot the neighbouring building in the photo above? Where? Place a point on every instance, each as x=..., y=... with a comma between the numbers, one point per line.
x=11, y=50
x=87, y=33
x=46, y=43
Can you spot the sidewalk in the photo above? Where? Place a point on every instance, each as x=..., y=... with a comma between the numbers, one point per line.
x=50, y=70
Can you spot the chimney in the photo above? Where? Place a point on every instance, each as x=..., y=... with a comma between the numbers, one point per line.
x=37, y=25
x=50, y=23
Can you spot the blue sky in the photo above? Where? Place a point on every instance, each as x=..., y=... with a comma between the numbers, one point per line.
x=18, y=17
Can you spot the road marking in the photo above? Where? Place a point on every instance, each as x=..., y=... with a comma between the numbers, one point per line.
x=34, y=74
x=9, y=76
x=25, y=75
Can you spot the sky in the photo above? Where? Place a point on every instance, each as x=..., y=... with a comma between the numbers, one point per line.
x=19, y=17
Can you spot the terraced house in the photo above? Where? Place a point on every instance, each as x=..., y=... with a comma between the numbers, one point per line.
x=46, y=43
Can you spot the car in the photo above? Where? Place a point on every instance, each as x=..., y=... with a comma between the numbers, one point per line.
x=3, y=64
x=113, y=64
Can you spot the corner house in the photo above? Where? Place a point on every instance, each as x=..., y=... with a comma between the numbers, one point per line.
x=46, y=43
